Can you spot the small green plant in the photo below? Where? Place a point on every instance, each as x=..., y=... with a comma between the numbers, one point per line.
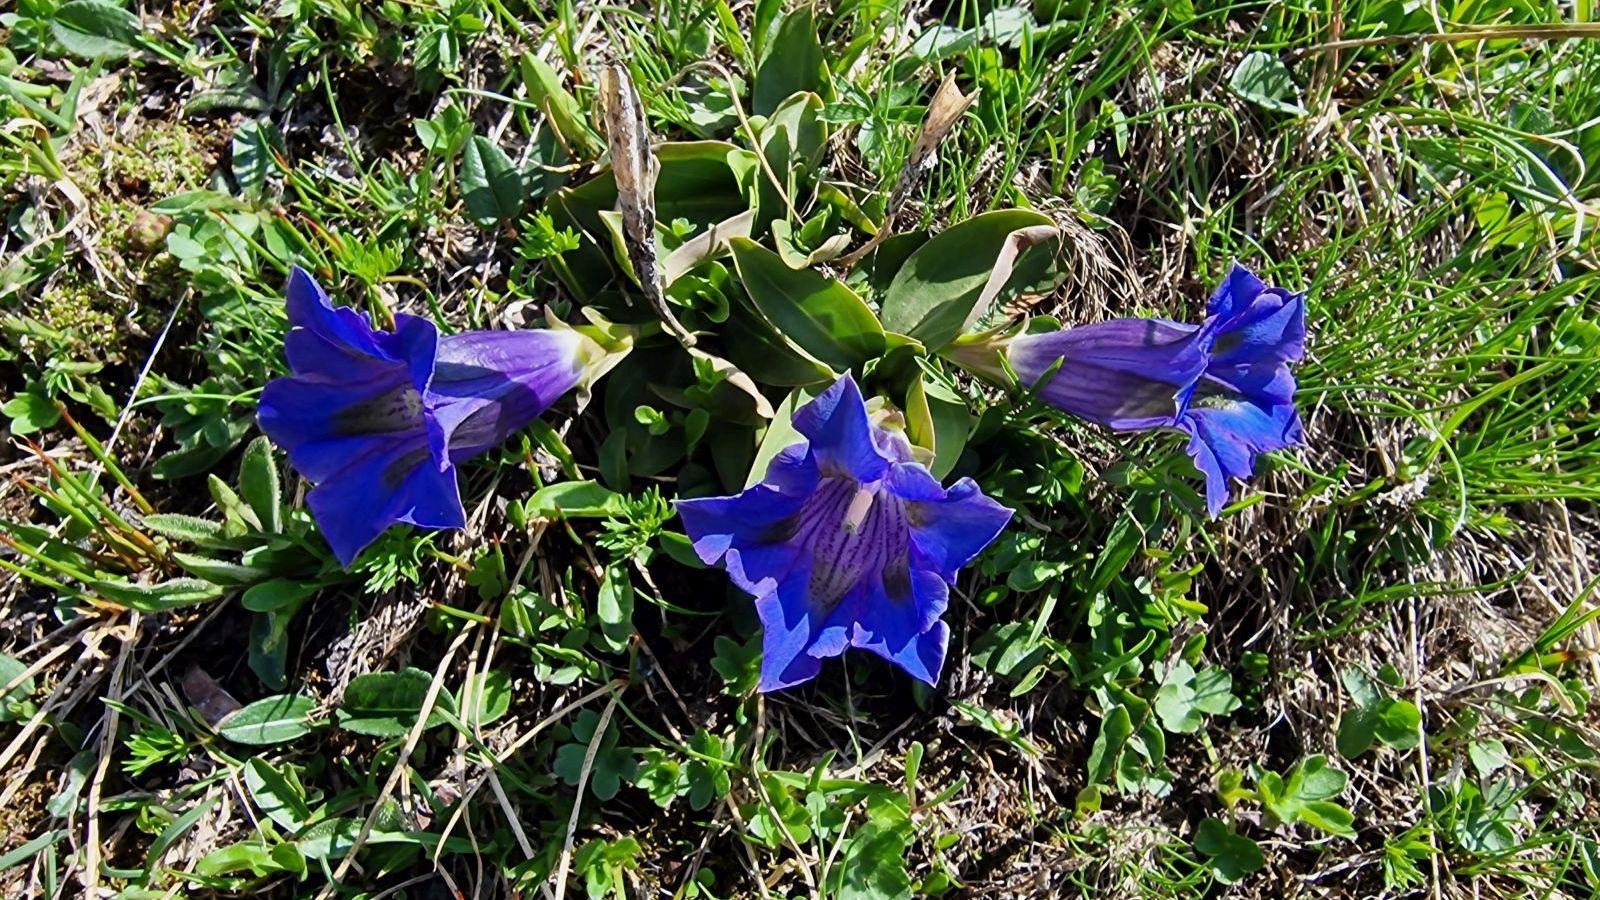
x=596, y=757
x=1304, y=796
x=1377, y=716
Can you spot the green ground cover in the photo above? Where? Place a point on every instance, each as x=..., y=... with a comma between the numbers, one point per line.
x=1373, y=675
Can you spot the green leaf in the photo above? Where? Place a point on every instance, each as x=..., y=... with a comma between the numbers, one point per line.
x=1213, y=692
x=780, y=434
x=1358, y=728
x=254, y=856
x=234, y=509
x=1121, y=544
x=576, y=500
x=614, y=608
x=1115, y=729
x=738, y=664
x=708, y=781
x=26, y=851
x=1316, y=780
x=196, y=201
x=488, y=574
x=794, y=63
x=260, y=484
x=1232, y=856
x=95, y=29
x=493, y=188
x=491, y=696
x=565, y=114
x=219, y=571
x=278, y=798
x=677, y=546
x=1376, y=716
x=1089, y=800
x=661, y=777
x=1312, y=781
x=728, y=392
x=791, y=141
x=1399, y=724
x=1330, y=817
x=177, y=828
x=179, y=527
x=252, y=150
x=30, y=412
x=268, y=654
x=757, y=348
x=1263, y=79
x=171, y=594
x=874, y=863
x=695, y=184
x=938, y=41
x=276, y=601
x=938, y=289
x=705, y=246
x=1270, y=787
x=329, y=839
x=821, y=315
x=1175, y=700
x=764, y=27
x=1009, y=650
x=15, y=705
x=277, y=595
x=938, y=420
x=1230, y=788
x=270, y=720
x=387, y=704
x=1360, y=686
x=612, y=764
x=1007, y=25
x=1488, y=756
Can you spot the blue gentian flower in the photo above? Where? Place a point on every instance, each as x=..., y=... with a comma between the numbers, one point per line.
x=1225, y=382
x=378, y=419
x=848, y=542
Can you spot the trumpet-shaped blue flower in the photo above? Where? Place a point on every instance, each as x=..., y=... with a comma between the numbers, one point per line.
x=848, y=542
x=1225, y=382
x=378, y=419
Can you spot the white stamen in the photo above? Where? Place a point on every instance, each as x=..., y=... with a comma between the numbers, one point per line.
x=860, y=505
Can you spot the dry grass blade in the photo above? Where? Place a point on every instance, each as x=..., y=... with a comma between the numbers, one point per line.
x=522, y=741
x=1016, y=242
x=412, y=738
x=560, y=877
x=116, y=690
x=949, y=104
x=634, y=165
x=1551, y=32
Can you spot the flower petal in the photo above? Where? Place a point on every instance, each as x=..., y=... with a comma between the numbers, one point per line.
x=788, y=629
x=341, y=331
x=389, y=482
x=840, y=435
x=1261, y=383
x=323, y=425
x=1227, y=433
x=949, y=531
x=827, y=545
x=488, y=385
x=1238, y=289
x=1125, y=373
x=1272, y=328
x=908, y=631
x=749, y=533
